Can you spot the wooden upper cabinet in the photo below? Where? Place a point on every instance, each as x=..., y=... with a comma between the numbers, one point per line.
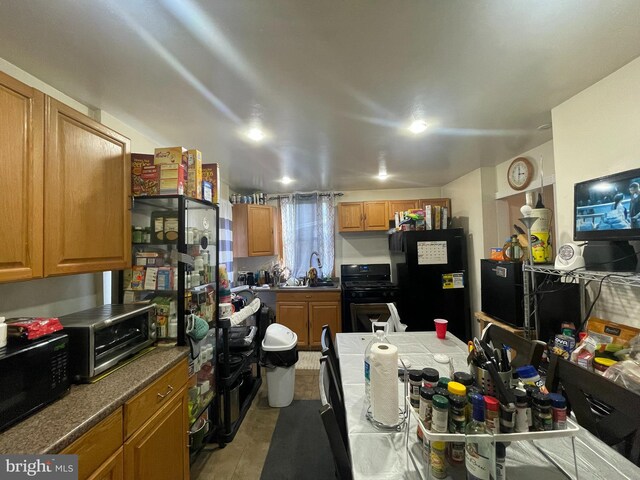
x=87, y=195
x=253, y=230
x=376, y=216
x=21, y=173
x=436, y=202
x=401, y=206
x=350, y=217
x=362, y=216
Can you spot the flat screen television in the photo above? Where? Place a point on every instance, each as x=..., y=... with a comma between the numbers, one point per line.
x=608, y=208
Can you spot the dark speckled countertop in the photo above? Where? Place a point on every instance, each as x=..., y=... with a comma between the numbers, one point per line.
x=64, y=421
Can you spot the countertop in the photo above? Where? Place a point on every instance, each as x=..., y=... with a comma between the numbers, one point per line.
x=335, y=288
x=64, y=421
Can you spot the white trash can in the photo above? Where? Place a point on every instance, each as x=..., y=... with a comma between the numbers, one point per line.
x=279, y=356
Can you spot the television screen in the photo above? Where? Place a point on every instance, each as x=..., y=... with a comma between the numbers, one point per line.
x=608, y=208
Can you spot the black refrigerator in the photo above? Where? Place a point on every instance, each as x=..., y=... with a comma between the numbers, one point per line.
x=431, y=270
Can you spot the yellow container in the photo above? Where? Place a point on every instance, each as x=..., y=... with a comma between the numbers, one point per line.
x=541, y=236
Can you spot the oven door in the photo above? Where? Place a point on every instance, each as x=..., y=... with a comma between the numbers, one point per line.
x=359, y=296
x=121, y=337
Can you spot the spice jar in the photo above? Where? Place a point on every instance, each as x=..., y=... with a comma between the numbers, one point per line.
x=430, y=377
x=464, y=378
x=471, y=390
x=415, y=382
x=558, y=411
x=530, y=389
x=426, y=405
x=440, y=414
x=146, y=235
x=541, y=410
x=523, y=410
x=492, y=414
x=457, y=424
x=136, y=235
x=443, y=382
x=438, y=463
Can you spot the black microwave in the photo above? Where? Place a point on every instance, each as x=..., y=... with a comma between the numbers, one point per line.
x=31, y=376
x=102, y=337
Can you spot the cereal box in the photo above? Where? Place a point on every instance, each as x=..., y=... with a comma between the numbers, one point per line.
x=194, y=174
x=170, y=156
x=211, y=174
x=172, y=179
x=145, y=176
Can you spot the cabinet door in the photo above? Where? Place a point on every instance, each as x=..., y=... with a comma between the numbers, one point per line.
x=376, y=216
x=112, y=469
x=87, y=224
x=159, y=449
x=401, y=206
x=320, y=314
x=295, y=316
x=350, y=217
x=260, y=218
x=21, y=161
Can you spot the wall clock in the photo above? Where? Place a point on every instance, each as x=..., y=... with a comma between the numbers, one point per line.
x=520, y=173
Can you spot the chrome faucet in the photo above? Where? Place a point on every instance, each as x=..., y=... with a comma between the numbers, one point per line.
x=311, y=259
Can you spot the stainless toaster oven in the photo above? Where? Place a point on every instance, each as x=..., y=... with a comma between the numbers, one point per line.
x=101, y=337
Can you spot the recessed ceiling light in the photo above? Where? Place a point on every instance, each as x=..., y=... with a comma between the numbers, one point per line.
x=286, y=180
x=418, y=126
x=382, y=176
x=256, y=134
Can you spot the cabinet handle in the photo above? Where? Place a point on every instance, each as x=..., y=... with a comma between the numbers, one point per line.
x=169, y=390
x=307, y=296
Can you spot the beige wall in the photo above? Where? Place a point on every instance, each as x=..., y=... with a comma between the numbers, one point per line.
x=372, y=247
x=597, y=133
x=543, y=160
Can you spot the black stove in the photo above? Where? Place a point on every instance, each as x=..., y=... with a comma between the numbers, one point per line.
x=365, y=283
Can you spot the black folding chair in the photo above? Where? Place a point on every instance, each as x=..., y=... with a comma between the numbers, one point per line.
x=606, y=409
x=332, y=413
x=527, y=352
x=329, y=350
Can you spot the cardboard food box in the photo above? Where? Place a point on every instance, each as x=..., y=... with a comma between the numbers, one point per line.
x=604, y=331
x=211, y=174
x=170, y=156
x=172, y=179
x=145, y=176
x=194, y=174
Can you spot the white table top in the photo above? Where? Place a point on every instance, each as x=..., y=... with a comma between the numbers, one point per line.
x=382, y=455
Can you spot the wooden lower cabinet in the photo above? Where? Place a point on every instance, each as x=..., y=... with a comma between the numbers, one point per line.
x=112, y=469
x=306, y=313
x=159, y=450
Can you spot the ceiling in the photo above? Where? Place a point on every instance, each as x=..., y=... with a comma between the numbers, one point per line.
x=334, y=82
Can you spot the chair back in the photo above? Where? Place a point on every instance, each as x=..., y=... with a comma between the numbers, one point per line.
x=329, y=350
x=616, y=422
x=330, y=412
x=367, y=317
x=527, y=352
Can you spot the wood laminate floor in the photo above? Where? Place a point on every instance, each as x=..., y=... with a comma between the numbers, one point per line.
x=243, y=458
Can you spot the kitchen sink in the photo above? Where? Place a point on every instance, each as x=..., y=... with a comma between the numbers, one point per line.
x=293, y=287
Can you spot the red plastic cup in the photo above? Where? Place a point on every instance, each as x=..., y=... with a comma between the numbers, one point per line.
x=441, y=327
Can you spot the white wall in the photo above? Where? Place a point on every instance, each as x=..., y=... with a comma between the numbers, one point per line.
x=372, y=247
x=597, y=133
x=67, y=294
x=473, y=206
x=543, y=160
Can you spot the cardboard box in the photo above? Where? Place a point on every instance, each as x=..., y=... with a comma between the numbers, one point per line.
x=145, y=176
x=207, y=191
x=211, y=174
x=172, y=179
x=194, y=174
x=170, y=156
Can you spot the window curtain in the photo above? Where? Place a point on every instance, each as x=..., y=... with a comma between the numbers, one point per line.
x=225, y=237
x=308, y=225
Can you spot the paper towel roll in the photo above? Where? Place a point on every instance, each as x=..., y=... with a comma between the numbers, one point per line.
x=383, y=361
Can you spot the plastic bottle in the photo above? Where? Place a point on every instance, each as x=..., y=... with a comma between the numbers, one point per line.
x=558, y=411
x=3, y=333
x=478, y=451
x=379, y=337
x=438, y=463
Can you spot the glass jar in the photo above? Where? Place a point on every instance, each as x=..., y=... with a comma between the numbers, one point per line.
x=464, y=378
x=492, y=414
x=523, y=410
x=542, y=417
x=136, y=235
x=440, y=414
x=426, y=405
x=415, y=382
x=146, y=235
x=438, y=463
x=430, y=377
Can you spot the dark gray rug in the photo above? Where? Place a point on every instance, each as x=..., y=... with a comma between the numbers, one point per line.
x=299, y=447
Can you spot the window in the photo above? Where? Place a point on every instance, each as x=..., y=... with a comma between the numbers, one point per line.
x=308, y=224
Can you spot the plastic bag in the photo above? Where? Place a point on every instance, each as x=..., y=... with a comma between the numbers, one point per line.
x=627, y=372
